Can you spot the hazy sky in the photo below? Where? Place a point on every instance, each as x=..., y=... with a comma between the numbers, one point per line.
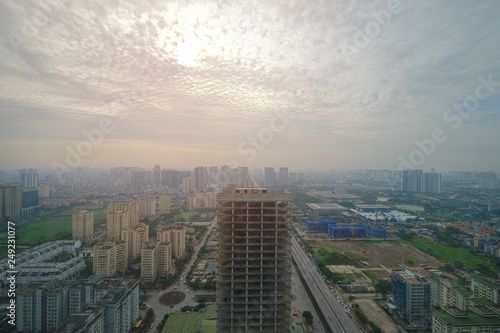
x=303, y=84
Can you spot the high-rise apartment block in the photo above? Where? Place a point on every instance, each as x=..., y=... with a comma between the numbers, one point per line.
x=283, y=178
x=110, y=257
x=164, y=204
x=412, y=296
x=200, y=178
x=157, y=174
x=175, y=234
x=121, y=215
x=135, y=238
x=254, y=276
x=97, y=305
x=155, y=260
x=213, y=171
x=83, y=226
x=28, y=178
x=10, y=201
x=195, y=201
x=269, y=176
x=419, y=181
x=147, y=205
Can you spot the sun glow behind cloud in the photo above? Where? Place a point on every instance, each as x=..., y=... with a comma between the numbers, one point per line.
x=209, y=75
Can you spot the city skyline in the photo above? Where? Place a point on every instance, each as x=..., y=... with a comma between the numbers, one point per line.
x=344, y=85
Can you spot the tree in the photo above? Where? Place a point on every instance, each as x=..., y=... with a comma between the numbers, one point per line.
x=308, y=317
x=383, y=287
x=458, y=265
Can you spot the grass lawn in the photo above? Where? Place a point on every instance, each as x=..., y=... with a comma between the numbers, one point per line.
x=30, y=233
x=47, y=227
x=188, y=216
x=451, y=254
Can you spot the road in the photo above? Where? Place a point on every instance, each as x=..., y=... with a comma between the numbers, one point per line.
x=331, y=305
x=154, y=301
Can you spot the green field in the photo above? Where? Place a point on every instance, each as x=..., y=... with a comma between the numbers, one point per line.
x=452, y=254
x=47, y=228
x=41, y=228
x=188, y=216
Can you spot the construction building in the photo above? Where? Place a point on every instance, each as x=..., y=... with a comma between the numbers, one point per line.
x=83, y=226
x=254, y=276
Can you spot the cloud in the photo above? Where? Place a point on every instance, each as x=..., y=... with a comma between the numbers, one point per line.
x=206, y=75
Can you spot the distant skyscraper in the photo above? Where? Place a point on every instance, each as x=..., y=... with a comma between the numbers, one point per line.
x=283, y=178
x=432, y=183
x=269, y=176
x=28, y=178
x=10, y=201
x=421, y=182
x=157, y=174
x=83, y=226
x=254, y=276
x=200, y=178
x=212, y=174
x=164, y=204
x=135, y=186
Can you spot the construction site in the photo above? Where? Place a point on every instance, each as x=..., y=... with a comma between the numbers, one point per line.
x=254, y=281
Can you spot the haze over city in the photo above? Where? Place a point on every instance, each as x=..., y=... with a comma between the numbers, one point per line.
x=333, y=85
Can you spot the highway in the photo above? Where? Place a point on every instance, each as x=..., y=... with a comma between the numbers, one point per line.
x=330, y=304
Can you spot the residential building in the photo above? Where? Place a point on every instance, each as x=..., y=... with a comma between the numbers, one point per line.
x=135, y=238
x=10, y=201
x=155, y=260
x=419, y=181
x=147, y=206
x=254, y=249
x=43, y=192
x=37, y=257
x=176, y=234
x=83, y=226
x=283, y=177
x=110, y=257
x=164, y=204
x=195, y=201
x=28, y=178
x=459, y=309
x=90, y=306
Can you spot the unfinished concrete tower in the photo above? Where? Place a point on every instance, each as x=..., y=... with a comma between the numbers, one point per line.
x=254, y=273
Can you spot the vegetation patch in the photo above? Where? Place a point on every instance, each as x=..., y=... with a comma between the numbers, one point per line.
x=471, y=261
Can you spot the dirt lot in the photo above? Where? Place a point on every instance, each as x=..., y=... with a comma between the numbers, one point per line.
x=385, y=255
x=376, y=314
x=382, y=258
